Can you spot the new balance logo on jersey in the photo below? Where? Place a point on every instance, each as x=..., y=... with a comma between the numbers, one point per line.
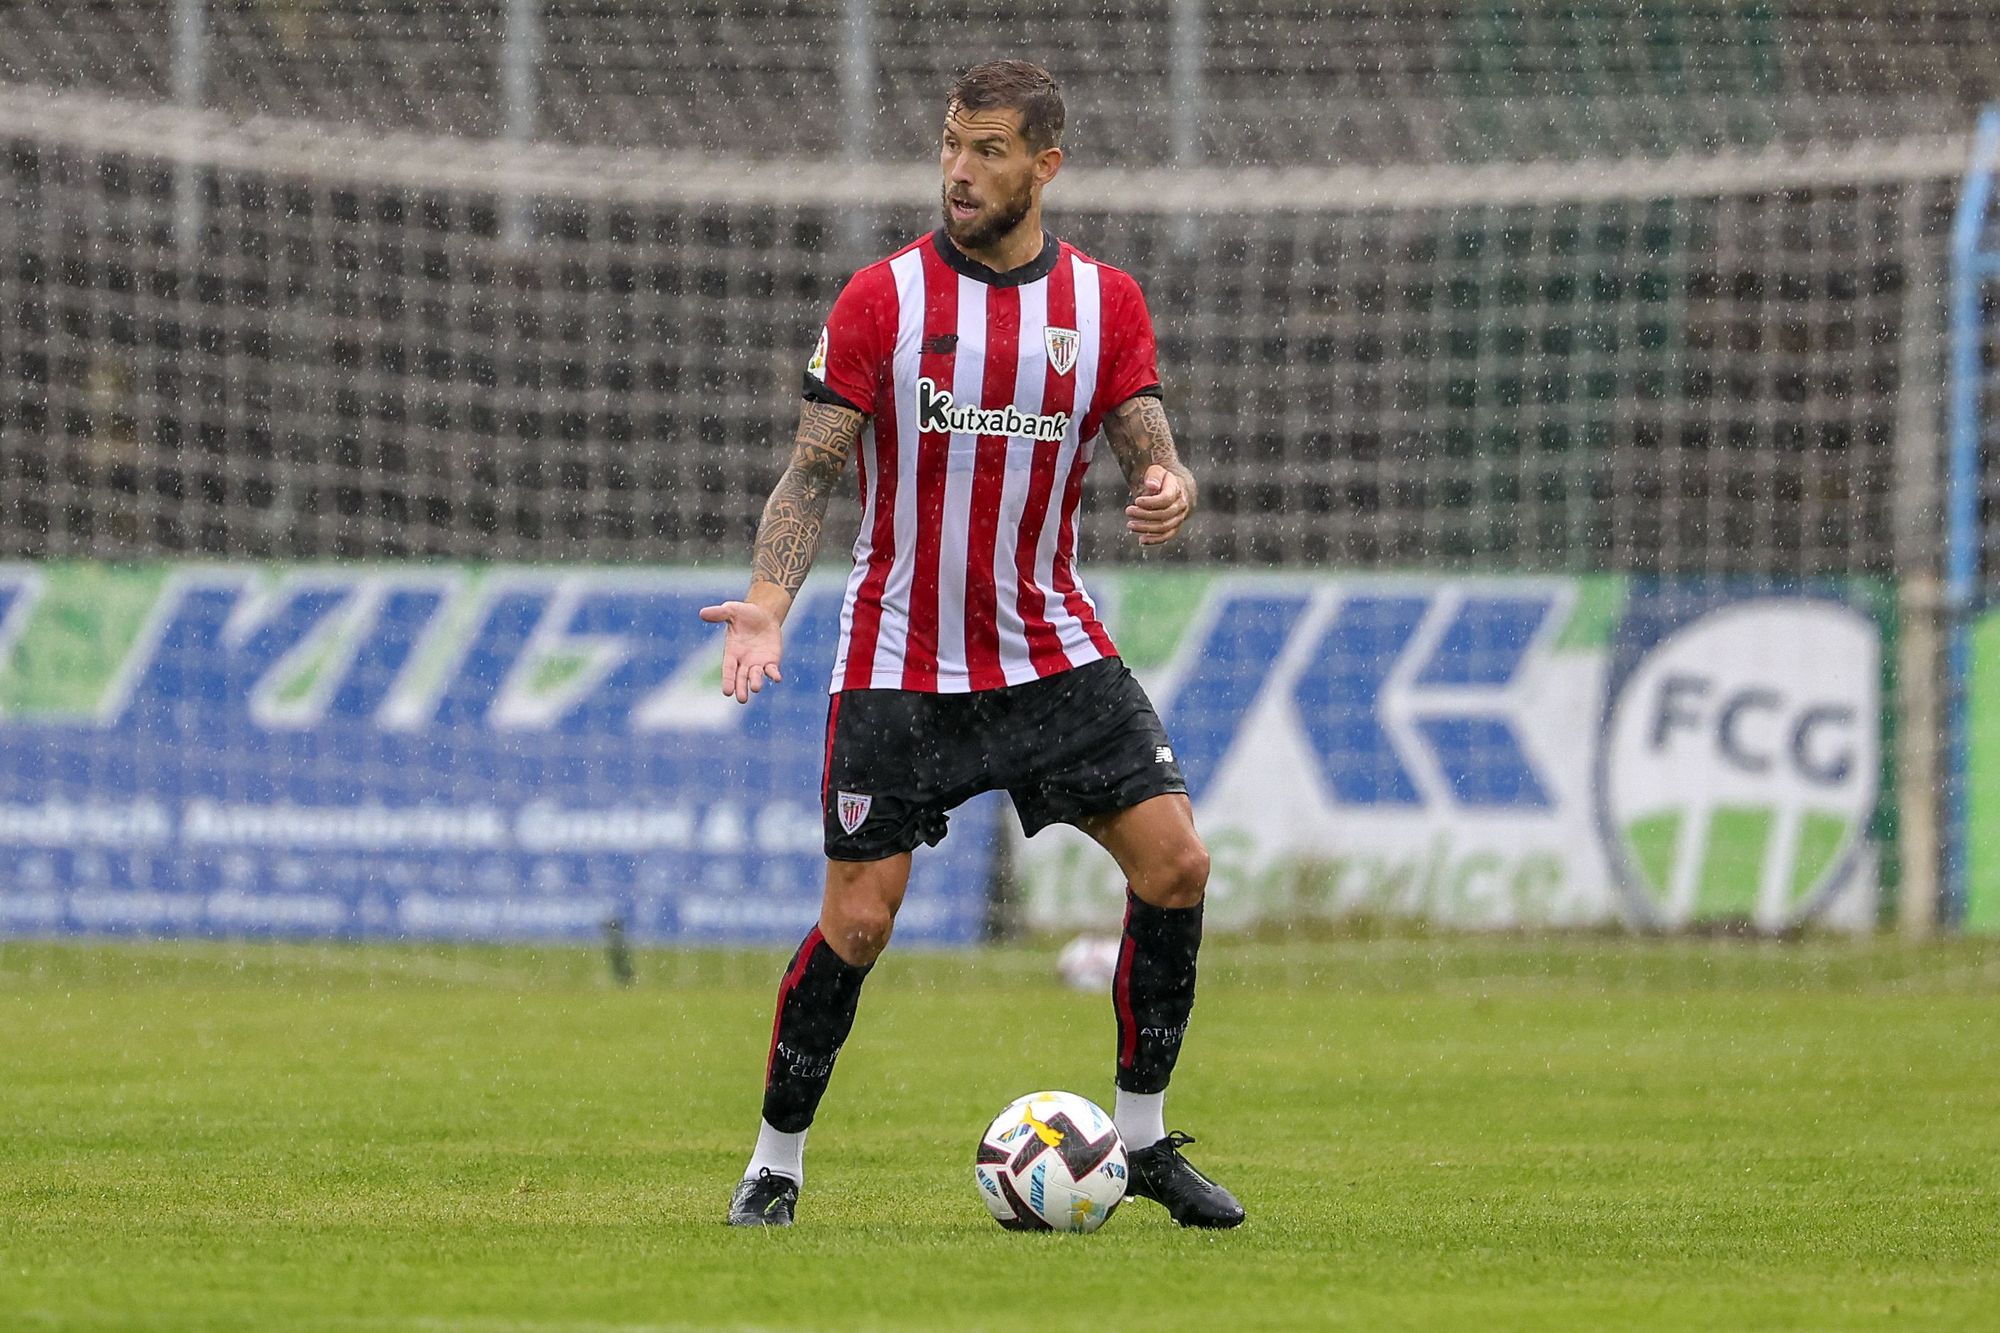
x=938, y=412
x=1163, y=754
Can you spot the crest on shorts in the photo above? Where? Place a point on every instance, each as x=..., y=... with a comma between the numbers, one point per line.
x=851, y=808
x=1062, y=345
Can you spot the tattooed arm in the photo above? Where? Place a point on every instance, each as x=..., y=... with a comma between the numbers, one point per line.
x=788, y=538
x=787, y=541
x=1163, y=490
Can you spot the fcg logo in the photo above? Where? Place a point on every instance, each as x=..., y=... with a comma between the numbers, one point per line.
x=1741, y=761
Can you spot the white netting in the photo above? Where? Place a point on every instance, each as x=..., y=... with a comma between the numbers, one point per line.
x=1373, y=82
x=1700, y=365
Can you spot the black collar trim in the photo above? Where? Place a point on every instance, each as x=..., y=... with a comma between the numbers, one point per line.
x=1034, y=270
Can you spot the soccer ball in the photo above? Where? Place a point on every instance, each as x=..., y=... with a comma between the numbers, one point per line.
x=1051, y=1161
x=1088, y=962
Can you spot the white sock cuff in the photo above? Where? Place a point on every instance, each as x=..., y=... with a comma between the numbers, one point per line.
x=1141, y=1117
x=784, y=1154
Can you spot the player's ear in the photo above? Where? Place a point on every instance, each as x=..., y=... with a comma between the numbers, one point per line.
x=1047, y=163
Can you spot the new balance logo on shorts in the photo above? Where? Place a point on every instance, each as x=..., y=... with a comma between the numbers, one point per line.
x=1163, y=754
x=852, y=809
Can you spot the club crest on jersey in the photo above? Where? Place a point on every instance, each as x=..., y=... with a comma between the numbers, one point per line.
x=817, y=366
x=940, y=414
x=852, y=809
x=1062, y=345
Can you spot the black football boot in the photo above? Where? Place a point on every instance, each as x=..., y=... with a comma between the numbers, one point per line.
x=1160, y=1173
x=766, y=1200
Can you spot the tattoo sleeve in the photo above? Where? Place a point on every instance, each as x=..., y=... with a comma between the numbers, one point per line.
x=788, y=536
x=1139, y=436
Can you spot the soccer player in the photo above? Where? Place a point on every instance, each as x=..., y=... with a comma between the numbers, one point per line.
x=969, y=376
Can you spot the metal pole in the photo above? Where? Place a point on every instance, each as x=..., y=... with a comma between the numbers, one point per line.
x=1919, y=705
x=1962, y=495
x=857, y=112
x=520, y=62
x=1187, y=39
x=190, y=80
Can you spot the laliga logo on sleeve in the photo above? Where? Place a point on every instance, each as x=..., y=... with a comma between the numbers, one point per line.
x=1062, y=345
x=1741, y=761
x=817, y=366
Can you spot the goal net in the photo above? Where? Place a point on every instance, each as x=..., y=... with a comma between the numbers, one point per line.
x=1385, y=82
x=276, y=341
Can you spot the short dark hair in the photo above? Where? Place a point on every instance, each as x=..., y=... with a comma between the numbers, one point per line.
x=1019, y=86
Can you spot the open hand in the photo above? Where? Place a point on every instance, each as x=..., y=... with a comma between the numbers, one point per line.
x=751, y=646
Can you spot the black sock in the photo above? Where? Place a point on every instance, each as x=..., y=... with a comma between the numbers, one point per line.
x=816, y=1004
x=1153, y=991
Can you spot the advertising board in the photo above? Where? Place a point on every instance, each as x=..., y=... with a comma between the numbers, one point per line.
x=408, y=751
x=1509, y=752
x=532, y=753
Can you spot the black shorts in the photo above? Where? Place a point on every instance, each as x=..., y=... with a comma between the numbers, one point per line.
x=1079, y=743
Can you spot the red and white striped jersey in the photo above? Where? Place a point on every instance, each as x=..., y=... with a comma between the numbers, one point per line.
x=984, y=392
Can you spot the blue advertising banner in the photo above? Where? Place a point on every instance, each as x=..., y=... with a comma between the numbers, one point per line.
x=1504, y=752
x=418, y=751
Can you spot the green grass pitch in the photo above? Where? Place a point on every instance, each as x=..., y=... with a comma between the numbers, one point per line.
x=1465, y=1133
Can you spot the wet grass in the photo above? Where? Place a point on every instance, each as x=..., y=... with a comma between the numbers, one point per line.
x=1430, y=1133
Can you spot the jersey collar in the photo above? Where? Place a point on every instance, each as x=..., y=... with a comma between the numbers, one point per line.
x=1034, y=270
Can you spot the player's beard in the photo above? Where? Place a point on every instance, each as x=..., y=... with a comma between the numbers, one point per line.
x=984, y=230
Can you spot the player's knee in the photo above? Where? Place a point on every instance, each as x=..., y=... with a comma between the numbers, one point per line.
x=861, y=933
x=1191, y=872
x=1183, y=879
